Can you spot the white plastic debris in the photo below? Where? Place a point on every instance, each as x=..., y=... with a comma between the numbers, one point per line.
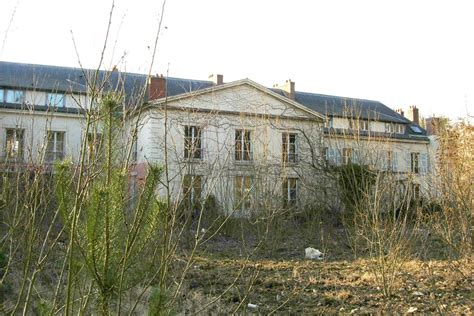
x=315, y=254
x=253, y=306
x=417, y=293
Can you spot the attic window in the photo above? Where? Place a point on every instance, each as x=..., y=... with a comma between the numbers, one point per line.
x=394, y=128
x=416, y=129
x=13, y=96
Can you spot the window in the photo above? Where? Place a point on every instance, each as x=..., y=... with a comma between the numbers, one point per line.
x=1, y=95
x=288, y=148
x=14, y=144
x=362, y=125
x=94, y=144
x=325, y=154
x=14, y=96
x=290, y=189
x=56, y=100
x=55, y=146
x=415, y=162
x=243, y=192
x=192, y=188
x=192, y=142
x=400, y=129
x=394, y=128
x=346, y=156
x=243, y=145
x=365, y=125
x=329, y=122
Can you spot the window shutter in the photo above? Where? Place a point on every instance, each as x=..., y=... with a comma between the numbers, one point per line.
x=331, y=156
x=395, y=161
x=408, y=161
x=424, y=163
x=338, y=157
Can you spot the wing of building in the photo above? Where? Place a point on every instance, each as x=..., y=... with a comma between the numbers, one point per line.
x=240, y=142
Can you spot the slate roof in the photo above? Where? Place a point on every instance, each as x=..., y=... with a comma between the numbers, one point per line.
x=67, y=79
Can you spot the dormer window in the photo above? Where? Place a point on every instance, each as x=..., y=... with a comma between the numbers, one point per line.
x=394, y=128
x=362, y=125
x=56, y=100
x=13, y=96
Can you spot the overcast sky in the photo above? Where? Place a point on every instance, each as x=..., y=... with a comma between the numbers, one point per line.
x=398, y=52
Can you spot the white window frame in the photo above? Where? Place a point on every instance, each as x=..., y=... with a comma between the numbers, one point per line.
x=193, y=139
x=19, y=96
x=289, y=157
x=56, y=152
x=242, y=152
x=60, y=96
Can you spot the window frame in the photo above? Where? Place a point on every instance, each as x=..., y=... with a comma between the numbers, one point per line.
x=193, y=142
x=243, y=149
x=289, y=150
x=19, y=156
x=60, y=104
x=415, y=162
x=17, y=94
x=55, y=153
x=329, y=122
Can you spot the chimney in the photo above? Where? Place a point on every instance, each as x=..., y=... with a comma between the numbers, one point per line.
x=288, y=87
x=430, y=125
x=217, y=79
x=156, y=87
x=413, y=114
x=401, y=112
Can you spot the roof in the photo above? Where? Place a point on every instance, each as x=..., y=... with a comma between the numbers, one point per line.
x=68, y=79
x=347, y=107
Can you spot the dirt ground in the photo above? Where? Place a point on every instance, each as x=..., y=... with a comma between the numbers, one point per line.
x=224, y=280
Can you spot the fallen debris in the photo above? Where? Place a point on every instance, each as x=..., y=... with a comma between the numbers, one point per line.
x=314, y=254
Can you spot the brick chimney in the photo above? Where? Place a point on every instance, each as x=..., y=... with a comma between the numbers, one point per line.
x=401, y=112
x=413, y=114
x=156, y=87
x=288, y=87
x=217, y=79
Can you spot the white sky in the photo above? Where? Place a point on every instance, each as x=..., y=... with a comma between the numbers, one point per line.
x=399, y=52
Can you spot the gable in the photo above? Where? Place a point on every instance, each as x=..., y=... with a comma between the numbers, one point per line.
x=241, y=97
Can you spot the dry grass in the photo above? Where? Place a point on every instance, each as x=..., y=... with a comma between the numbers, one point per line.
x=302, y=286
